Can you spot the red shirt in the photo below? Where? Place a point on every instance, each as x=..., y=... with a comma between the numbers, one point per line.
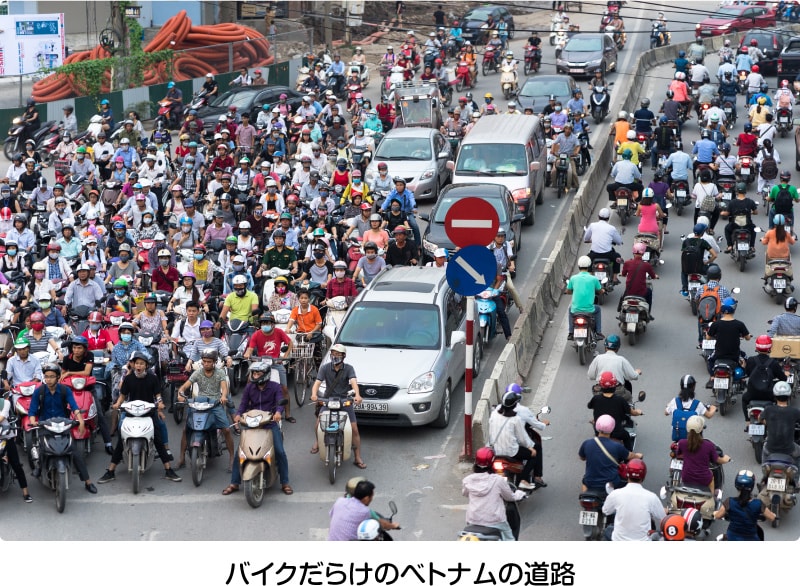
x=98, y=341
x=637, y=270
x=166, y=281
x=268, y=345
x=748, y=144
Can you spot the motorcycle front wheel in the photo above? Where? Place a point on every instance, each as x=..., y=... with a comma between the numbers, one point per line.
x=196, y=464
x=254, y=491
x=61, y=490
x=332, y=463
x=136, y=473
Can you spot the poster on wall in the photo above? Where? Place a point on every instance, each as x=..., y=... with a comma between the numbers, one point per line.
x=30, y=43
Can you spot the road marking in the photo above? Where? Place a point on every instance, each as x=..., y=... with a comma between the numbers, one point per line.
x=471, y=223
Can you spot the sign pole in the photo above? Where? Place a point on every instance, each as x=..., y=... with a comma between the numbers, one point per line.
x=468, y=379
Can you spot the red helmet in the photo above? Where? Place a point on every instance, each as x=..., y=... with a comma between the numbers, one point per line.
x=438, y=62
x=755, y=69
x=293, y=198
x=5, y=214
x=54, y=246
x=608, y=380
x=753, y=43
x=96, y=316
x=637, y=470
x=744, y=50
x=484, y=457
x=763, y=343
x=199, y=247
x=37, y=316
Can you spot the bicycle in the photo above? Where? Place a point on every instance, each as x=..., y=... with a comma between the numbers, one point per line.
x=304, y=370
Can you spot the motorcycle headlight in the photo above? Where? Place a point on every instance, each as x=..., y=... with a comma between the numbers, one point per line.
x=253, y=421
x=78, y=383
x=424, y=383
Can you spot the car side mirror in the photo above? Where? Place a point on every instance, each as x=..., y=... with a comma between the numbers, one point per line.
x=450, y=165
x=457, y=338
x=535, y=166
x=518, y=217
x=425, y=217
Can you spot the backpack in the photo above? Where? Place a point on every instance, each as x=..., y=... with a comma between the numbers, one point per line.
x=769, y=167
x=708, y=306
x=680, y=416
x=783, y=200
x=692, y=255
x=760, y=379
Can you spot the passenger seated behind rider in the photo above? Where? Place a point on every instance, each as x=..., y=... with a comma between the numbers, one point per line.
x=608, y=402
x=508, y=437
x=698, y=455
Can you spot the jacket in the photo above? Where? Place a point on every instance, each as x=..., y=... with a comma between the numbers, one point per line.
x=487, y=495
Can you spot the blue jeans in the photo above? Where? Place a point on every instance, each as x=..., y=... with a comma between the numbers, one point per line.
x=597, y=320
x=412, y=221
x=283, y=461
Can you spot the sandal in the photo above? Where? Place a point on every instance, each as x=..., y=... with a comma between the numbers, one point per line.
x=290, y=419
x=358, y=464
x=315, y=450
x=287, y=489
x=230, y=489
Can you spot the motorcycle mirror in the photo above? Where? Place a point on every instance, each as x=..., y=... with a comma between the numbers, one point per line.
x=545, y=410
x=393, y=508
x=663, y=492
x=641, y=397
x=661, y=261
x=609, y=488
x=769, y=321
x=736, y=290
x=757, y=230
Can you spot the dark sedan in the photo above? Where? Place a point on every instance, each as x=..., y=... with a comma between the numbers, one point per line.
x=248, y=99
x=537, y=91
x=473, y=23
x=771, y=43
x=498, y=195
x=586, y=53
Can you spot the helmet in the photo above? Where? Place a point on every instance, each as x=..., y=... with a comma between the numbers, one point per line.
x=695, y=423
x=714, y=117
x=725, y=148
x=753, y=43
x=186, y=221
x=687, y=382
x=121, y=283
x=739, y=373
x=605, y=424
x=728, y=305
x=680, y=76
x=240, y=280
x=340, y=264
x=763, y=343
x=95, y=316
x=54, y=246
x=745, y=480
x=779, y=220
x=693, y=519
x=608, y=380
x=713, y=272
x=785, y=176
x=5, y=214
x=670, y=94
x=245, y=225
x=488, y=96
x=260, y=367
x=681, y=54
x=673, y=527
x=748, y=127
x=705, y=134
x=50, y=367
x=790, y=304
x=637, y=470
x=761, y=101
x=646, y=103
x=368, y=530
x=584, y=262
x=755, y=69
x=627, y=154
x=623, y=115
x=781, y=388
x=79, y=340
x=484, y=457
x=638, y=248
x=631, y=134
x=510, y=399
x=612, y=343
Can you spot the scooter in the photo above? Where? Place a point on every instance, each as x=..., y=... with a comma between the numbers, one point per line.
x=533, y=59
x=484, y=533
x=779, y=284
x=512, y=468
x=592, y=519
x=508, y=81
x=201, y=436
x=82, y=389
x=602, y=269
x=562, y=163
x=198, y=101
x=54, y=445
x=8, y=433
x=780, y=491
x=584, y=336
x=489, y=62
x=756, y=431
x=238, y=335
x=634, y=317
x=138, y=432
x=256, y=454
x=741, y=242
x=599, y=102
x=683, y=496
x=626, y=207
x=463, y=76
x=747, y=169
x=729, y=107
x=334, y=316
x=727, y=384
x=784, y=121
x=334, y=433
x=682, y=199
x=556, y=26
x=396, y=79
x=487, y=313
x=21, y=401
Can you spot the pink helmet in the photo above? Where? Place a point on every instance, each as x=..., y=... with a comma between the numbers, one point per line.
x=639, y=248
x=605, y=424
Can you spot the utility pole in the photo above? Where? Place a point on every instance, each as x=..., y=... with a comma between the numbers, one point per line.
x=119, y=76
x=326, y=12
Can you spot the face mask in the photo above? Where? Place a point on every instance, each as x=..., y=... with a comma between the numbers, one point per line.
x=164, y=262
x=359, y=133
x=12, y=252
x=198, y=257
x=119, y=233
x=94, y=327
x=267, y=329
x=126, y=337
x=38, y=326
x=119, y=292
x=38, y=275
x=44, y=304
x=53, y=255
x=272, y=190
x=81, y=157
x=395, y=209
x=238, y=267
x=125, y=147
x=264, y=172
x=147, y=221
x=339, y=274
x=371, y=255
x=337, y=359
x=341, y=167
x=189, y=165
x=356, y=181
x=124, y=257
x=241, y=292
x=186, y=229
x=319, y=254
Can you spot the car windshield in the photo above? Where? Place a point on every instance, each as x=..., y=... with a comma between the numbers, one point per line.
x=492, y=159
x=404, y=149
x=478, y=14
x=418, y=112
x=584, y=44
x=727, y=13
x=446, y=202
x=536, y=88
x=375, y=324
x=238, y=99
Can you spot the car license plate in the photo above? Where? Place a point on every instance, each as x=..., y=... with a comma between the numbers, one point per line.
x=580, y=333
x=721, y=383
x=783, y=120
x=681, y=193
x=694, y=285
x=371, y=406
x=622, y=202
x=676, y=464
x=755, y=429
x=646, y=256
x=776, y=484
x=575, y=70
x=790, y=379
x=745, y=170
x=743, y=246
x=631, y=317
x=709, y=344
x=600, y=275
x=779, y=283
x=588, y=518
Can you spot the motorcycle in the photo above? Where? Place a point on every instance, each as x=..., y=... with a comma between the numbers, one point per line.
x=556, y=26
x=138, y=438
x=747, y=169
x=198, y=101
x=362, y=71
x=238, y=335
x=727, y=384
x=757, y=431
x=584, y=336
x=83, y=391
x=658, y=38
x=487, y=313
x=508, y=81
x=784, y=121
x=626, y=207
x=483, y=533
x=511, y=468
x=201, y=436
x=169, y=117
x=256, y=454
x=682, y=199
x=489, y=62
x=780, y=491
x=741, y=242
x=726, y=188
x=8, y=433
x=651, y=254
x=359, y=158
x=54, y=446
x=634, y=317
x=742, y=79
x=395, y=80
x=599, y=102
x=684, y=496
x=591, y=517
x=562, y=166
x=779, y=284
x=533, y=59
x=334, y=433
x=602, y=269
x=729, y=107
x=463, y=76
x=21, y=401
x=15, y=142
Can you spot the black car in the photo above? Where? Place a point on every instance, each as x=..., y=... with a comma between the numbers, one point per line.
x=586, y=53
x=498, y=195
x=537, y=90
x=473, y=23
x=771, y=43
x=248, y=99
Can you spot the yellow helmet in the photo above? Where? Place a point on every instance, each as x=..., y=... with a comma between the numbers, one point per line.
x=762, y=100
x=488, y=96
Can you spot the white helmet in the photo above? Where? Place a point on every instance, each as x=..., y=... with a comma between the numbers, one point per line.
x=631, y=134
x=368, y=530
x=240, y=280
x=584, y=262
x=623, y=115
x=245, y=225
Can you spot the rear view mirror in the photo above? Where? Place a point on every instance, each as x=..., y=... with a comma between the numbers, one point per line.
x=425, y=217
x=393, y=507
x=663, y=492
x=736, y=290
x=642, y=396
x=518, y=217
x=457, y=338
x=757, y=230
x=546, y=409
x=535, y=166
x=450, y=165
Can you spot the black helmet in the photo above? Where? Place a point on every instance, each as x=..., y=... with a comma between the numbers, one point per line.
x=725, y=148
x=713, y=272
x=687, y=382
x=670, y=94
x=646, y=103
x=785, y=176
x=52, y=367
x=266, y=317
x=705, y=134
x=140, y=356
x=790, y=304
x=745, y=480
x=510, y=399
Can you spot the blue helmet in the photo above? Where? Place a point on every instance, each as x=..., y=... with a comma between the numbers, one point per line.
x=171, y=85
x=738, y=373
x=729, y=305
x=80, y=340
x=745, y=480
x=118, y=226
x=186, y=221
x=779, y=220
x=681, y=54
x=613, y=342
x=104, y=102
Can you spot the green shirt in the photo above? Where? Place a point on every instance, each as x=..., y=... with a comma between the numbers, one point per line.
x=241, y=307
x=773, y=193
x=282, y=259
x=584, y=285
x=209, y=386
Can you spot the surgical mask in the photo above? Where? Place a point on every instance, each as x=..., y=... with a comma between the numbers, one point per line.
x=53, y=255
x=337, y=359
x=124, y=257
x=91, y=246
x=395, y=208
x=44, y=304
x=186, y=229
x=272, y=189
x=199, y=256
x=119, y=292
x=341, y=167
x=126, y=337
x=357, y=180
x=319, y=254
x=360, y=133
x=125, y=147
x=81, y=157
x=238, y=266
x=264, y=172
x=267, y=329
x=147, y=221
x=189, y=165
x=12, y=252
x=241, y=292
x=94, y=327
x=37, y=326
x=39, y=274
x=339, y=274
x=164, y=262
x=371, y=255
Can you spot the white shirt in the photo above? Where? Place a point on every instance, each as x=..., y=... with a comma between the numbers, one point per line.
x=703, y=190
x=612, y=362
x=712, y=241
x=635, y=507
x=603, y=236
x=507, y=434
x=767, y=131
x=701, y=407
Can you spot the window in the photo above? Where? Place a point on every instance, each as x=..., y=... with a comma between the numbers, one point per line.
x=456, y=307
x=373, y=324
x=492, y=159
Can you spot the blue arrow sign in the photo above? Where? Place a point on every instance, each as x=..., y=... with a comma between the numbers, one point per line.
x=471, y=270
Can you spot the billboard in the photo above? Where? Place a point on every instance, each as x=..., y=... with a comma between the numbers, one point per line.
x=31, y=42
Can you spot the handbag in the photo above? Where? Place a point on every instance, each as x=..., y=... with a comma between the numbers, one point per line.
x=622, y=467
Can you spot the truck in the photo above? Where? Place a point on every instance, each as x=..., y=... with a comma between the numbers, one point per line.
x=789, y=60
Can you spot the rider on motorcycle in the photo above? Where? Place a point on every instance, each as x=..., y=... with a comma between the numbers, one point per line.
x=508, y=437
x=635, y=508
x=600, y=469
x=697, y=50
x=741, y=206
x=781, y=420
x=728, y=332
x=612, y=362
x=496, y=45
x=611, y=402
x=762, y=360
x=743, y=511
x=787, y=323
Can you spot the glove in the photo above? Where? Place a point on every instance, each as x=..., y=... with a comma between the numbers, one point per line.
x=519, y=495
